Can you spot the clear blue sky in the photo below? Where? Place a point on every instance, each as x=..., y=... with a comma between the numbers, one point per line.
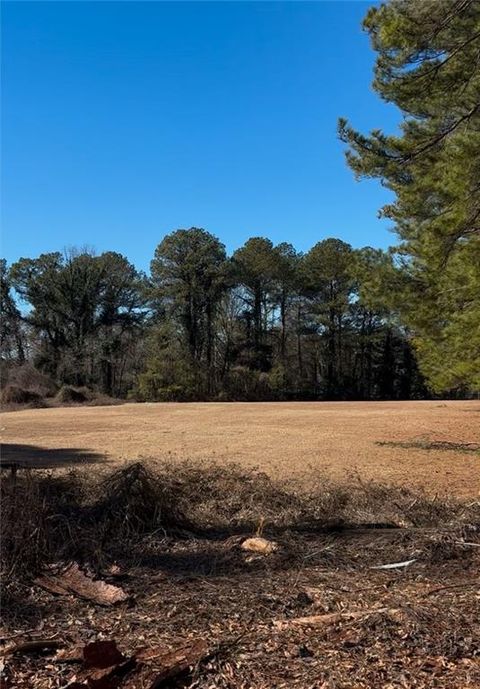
x=123, y=121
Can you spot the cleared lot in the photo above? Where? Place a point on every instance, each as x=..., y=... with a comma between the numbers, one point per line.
x=429, y=444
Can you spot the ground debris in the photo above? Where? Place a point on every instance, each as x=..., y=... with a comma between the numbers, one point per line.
x=259, y=545
x=102, y=654
x=395, y=565
x=105, y=667
x=71, y=579
x=169, y=664
x=332, y=618
x=340, y=624
x=73, y=654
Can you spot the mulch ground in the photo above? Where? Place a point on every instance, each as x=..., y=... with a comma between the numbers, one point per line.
x=420, y=627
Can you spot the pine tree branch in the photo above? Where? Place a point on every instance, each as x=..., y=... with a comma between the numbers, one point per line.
x=440, y=137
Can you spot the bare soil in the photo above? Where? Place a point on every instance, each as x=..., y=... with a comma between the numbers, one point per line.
x=431, y=445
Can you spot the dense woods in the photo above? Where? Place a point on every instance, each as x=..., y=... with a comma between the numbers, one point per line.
x=265, y=323
x=268, y=322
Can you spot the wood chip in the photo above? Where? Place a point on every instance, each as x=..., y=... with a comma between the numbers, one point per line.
x=259, y=545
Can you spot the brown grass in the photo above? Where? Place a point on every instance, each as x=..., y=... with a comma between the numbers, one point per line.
x=282, y=439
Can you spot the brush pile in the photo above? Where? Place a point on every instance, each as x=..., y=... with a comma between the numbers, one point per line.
x=14, y=395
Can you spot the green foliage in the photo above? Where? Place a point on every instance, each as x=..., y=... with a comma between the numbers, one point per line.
x=255, y=265
x=271, y=324
x=449, y=344
x=427, y=64
x=327, y=276
x=267, y=324
x=170, y=373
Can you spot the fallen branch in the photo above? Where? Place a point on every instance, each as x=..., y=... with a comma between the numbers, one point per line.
x=73, y=580
x=464, y=584
x=32, y=646
x=15, y=636
x=331, y=618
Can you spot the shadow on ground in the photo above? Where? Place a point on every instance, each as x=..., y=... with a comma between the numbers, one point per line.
x=34, y=457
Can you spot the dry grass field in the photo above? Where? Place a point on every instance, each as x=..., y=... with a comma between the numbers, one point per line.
x=426, y=444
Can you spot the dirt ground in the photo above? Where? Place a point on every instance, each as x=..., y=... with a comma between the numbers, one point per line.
x=383, y=441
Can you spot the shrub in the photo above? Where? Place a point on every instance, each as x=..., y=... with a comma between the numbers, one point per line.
x=27, y=377
x=13, y=394
x=70, y=395
x=245, y=384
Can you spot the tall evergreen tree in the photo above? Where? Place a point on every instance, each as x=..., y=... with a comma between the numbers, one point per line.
x=327, y=271
x=255, y=265
x=428, y=56
x=190, y=274
x=287, y=283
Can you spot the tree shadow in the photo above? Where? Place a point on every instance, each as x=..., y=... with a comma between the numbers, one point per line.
x=34, y=457
x=22, y=607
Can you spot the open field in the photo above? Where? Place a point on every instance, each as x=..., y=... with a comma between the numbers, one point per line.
x=337, y=439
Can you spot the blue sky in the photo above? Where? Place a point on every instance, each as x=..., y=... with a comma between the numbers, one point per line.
x=122, y=121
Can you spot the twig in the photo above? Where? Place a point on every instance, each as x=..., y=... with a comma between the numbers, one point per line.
x=15, y=636
x=465, y=584
x=33, y=646
x=395, y=565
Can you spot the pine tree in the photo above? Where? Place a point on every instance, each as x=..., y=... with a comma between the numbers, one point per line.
x=428, y=64
x=190, y=274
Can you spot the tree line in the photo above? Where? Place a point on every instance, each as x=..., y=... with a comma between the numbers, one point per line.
x=266, y=323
